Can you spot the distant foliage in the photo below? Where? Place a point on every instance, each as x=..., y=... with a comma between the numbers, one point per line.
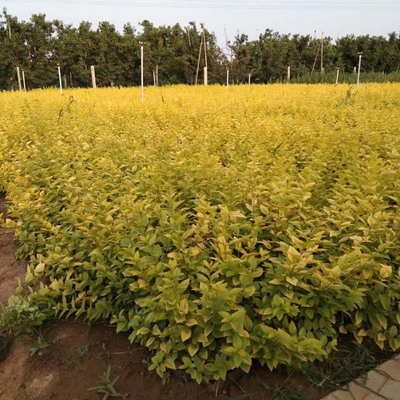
x=38, y=45
x=268, y=57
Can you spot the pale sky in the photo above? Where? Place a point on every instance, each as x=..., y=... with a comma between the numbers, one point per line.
x=334, y=18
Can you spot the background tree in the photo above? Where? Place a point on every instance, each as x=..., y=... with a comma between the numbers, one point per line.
x=38, y=45
x=14, y=49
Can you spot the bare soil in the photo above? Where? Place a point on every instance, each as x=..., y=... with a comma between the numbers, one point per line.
x=10, y=268
x=68, y=358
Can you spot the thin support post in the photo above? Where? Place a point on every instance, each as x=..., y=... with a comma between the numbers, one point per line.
x=93, y=73
x=142, y=73
x=205, y=76
x=205, y=58
x=205, y=47
x=157, y=75
x=359, y=68
x=23, y=80
x=322, y=53
x=19, y=79
x=315, y=60
x=198, y=61
x=59, y=78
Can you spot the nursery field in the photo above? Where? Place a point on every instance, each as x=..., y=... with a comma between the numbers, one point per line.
x=218, y=227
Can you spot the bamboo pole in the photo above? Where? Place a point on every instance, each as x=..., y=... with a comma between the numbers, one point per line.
x=205, y=58
x=23, y=80
x=322, y=53
x=359, y=68
x=19, y=79
x=59, y=78
x=198, y=61
x=142, y=73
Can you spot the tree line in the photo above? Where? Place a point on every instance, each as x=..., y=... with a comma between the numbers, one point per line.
x=172, y=52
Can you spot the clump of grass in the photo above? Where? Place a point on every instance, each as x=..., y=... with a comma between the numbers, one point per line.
x=40, y=342
x=284, y=390
x=350, y=362
x=106, y=386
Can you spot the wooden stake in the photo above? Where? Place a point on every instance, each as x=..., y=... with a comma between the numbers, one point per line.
x=205, y=47
x=19, y=79
x=142, y=73
x=359, y=68
x=322, y=53
x=9, y=28
x=205, y=58
x=198, y=61
x=93, y=73
x=23, y=80
x=315, y=60
x=157, y=75
x=59, y=78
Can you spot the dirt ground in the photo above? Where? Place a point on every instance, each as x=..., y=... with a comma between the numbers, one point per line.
x=10, y=269
x=65, y=359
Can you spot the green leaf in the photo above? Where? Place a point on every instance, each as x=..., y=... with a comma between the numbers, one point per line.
x=185, y=334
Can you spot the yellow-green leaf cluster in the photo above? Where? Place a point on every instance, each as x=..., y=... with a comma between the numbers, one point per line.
x=217, y=226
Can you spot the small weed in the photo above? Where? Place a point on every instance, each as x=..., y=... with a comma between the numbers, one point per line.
x=40, y=343
x=106, y=386
x=77, y=355
x=283, y=390
x=339, y=369
x=81, y=352
x=245, y=394
x=349, y=95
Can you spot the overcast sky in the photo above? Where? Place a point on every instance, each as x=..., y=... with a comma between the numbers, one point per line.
x=334, y=18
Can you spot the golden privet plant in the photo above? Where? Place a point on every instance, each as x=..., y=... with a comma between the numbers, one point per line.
x=216, y=226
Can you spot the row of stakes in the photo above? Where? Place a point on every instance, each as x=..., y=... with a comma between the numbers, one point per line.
x=22, y=82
